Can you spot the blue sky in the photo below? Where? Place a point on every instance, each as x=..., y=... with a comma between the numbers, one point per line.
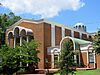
x=67, y=12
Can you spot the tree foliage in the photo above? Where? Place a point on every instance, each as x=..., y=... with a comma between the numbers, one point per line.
x=11, y=57
x=66, y=58
x=6, y=20
x=96, y=42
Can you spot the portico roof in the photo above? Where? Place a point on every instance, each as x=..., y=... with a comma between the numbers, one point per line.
x=80, y=41
x=77, y=42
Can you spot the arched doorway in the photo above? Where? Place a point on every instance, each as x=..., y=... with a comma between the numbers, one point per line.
x=55, y=52
x=10, y=39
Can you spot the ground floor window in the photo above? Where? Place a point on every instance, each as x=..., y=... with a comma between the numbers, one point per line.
x=91, y=57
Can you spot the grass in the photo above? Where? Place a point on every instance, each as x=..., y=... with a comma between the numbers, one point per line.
x=85, y=72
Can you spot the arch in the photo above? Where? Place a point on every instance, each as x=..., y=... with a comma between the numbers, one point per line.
x=55, y=50
x=76, y=42
x=23, y=33
x=10, y=39
x=16, y=31
x=10, y=34
x=65, y=39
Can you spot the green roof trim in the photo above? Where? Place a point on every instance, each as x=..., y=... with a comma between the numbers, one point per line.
x=77, y=42
x=80, y=41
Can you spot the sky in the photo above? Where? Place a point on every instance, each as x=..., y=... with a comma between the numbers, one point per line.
x=67, y=12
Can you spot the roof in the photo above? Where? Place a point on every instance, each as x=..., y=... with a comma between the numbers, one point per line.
x=80, y=41
x=46, y=21
x=77, y=42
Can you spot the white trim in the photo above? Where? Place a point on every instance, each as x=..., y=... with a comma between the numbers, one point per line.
x=63, y=32
x=53, y=35
x=66, y=38
x=75, y=59
x=22, y=28
x=44, y=20
x=14, y=42
x=80, y=35
x=72, y=33
x=52, y=60
x=54, y=51
x=20, y=40
x=82, y=51
x=27, y=39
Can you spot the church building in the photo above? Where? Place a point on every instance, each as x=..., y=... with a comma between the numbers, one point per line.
x=51, y=35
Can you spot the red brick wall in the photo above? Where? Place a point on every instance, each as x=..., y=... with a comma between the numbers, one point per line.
x=11, y=42
x=38, y=33
x=83, y=59
x=67, y=32
x=91, y=65
x=49, y=61
x=58, y=35
x=98, y=61
x=47, y=38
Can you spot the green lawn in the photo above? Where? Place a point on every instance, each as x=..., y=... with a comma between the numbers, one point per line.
x=86, y=72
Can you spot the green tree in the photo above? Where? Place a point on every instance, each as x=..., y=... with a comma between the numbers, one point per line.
x=96, y=42
x=6, y=20
x=11, y=57
x=66, y=58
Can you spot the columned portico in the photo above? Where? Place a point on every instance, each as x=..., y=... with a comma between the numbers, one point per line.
x=77, y=48
x=19, y=34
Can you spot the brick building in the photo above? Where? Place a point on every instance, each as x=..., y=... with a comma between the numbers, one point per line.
x=51, y=36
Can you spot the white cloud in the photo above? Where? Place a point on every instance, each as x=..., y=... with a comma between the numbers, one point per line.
x=44, y=8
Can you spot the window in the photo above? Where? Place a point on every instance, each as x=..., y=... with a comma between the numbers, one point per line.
x=91, y=57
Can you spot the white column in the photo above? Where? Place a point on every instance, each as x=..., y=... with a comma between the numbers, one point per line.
x=52, y=60
x=20, y=40
x=27, y=38
x=20, y=51
x=63, y=32
x=75, y=59
x=14, y=42
x=80, y=35
x=52, y=35
x=72, y=33
x=79, y=60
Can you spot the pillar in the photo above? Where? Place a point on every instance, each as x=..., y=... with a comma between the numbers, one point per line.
x=52, y=59
x=72, y=33
x=20, y=40
x=14, y=41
